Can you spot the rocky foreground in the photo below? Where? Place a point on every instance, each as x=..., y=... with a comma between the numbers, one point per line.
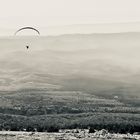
x=66, y=135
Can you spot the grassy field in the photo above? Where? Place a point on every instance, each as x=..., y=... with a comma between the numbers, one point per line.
x=53, y=110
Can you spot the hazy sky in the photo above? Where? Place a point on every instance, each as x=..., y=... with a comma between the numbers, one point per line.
x=43, y=13
x=62, y=12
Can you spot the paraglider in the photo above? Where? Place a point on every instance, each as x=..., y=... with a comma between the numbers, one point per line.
x=25, y=28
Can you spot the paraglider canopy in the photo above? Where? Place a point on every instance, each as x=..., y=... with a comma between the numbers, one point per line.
x=25, y=28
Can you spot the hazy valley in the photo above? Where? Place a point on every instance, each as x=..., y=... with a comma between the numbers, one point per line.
x=70, y=81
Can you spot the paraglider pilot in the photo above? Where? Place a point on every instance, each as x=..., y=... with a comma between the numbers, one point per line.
x=27, y=47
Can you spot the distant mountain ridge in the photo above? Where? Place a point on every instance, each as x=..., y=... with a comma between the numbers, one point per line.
x=79, y=29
